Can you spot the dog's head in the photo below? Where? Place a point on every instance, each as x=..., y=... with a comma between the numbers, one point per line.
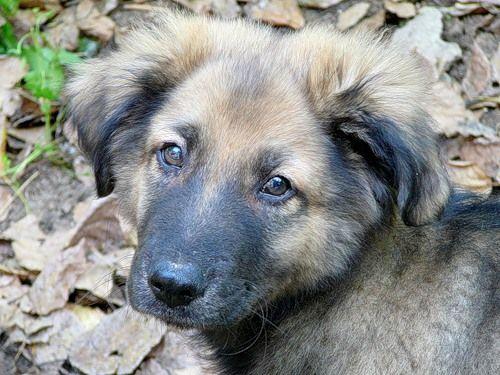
x=252, y=163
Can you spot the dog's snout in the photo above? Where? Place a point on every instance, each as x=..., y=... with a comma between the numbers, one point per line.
x=177, y=285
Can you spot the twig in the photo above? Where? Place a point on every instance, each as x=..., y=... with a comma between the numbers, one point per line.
x=18, y=193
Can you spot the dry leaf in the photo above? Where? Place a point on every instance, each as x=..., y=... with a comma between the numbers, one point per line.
x=448, y=108
x=99, y=225
x=318, y=4
x=174, y=356
x=98, y=278
x=222, y=8
x=11, y=288
x=401, y=9
x=496, y=65
x=52, y=287
x=90, y=20
x=28, y=135
x=67, y=325
x=276, y=12
x=485, y=153
x=352, y=16
x=118, y=344
x=478, y=75
x=63, y=31
x=470, y=176
x=5, y=194
x=422, y=34
x=12, y=70
x=27, y=239
x=372, y=23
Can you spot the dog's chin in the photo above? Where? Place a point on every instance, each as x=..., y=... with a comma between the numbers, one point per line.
x=199, y=314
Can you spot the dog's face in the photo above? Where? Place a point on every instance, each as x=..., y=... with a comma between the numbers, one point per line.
x=253, y=165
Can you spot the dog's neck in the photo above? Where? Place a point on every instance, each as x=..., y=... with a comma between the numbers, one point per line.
x=233, y=349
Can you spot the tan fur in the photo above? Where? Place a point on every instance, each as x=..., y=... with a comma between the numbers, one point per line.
x=248, y=90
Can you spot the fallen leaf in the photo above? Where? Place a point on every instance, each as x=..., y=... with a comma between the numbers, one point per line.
x=174, y=356
x=222, y=8
x=52, y=287
x=99, y=225
x=10, y=102
x=5, y=195
x=62, y=31
x=470, y=176
x=319, y=4
x=11, y=288
x=53, y=5
x=90, y=20
x=400, y=9
x=372, y=23
x=496, y=65
x=97, y=279
x=23, y=21
x=422, y=34
x=118, y=344
x=12, y=70
x=448, y=108
x=450, y=115
x=67, y=325
x=276, y=12
x=478, y=75
x=8, y=312
x=27, y=239
x=109, y=6
x=484, y=153
x=28, y=135
x=352, y=16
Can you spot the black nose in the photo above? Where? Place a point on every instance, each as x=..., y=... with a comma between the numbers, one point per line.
x=177, y=285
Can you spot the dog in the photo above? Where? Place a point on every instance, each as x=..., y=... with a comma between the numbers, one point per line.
x=289, y=199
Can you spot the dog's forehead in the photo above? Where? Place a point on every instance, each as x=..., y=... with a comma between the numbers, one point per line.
x=244, y=105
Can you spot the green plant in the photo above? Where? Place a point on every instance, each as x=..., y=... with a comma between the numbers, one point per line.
x=44, y=80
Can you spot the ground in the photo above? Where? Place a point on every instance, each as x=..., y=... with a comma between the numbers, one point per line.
x=64, y=256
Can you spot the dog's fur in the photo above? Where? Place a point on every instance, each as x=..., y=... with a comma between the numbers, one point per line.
x=375, y=265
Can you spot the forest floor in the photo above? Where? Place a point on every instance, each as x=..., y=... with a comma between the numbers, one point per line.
x=64, y=256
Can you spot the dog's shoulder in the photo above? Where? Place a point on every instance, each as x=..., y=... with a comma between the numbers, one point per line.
x=472, y=223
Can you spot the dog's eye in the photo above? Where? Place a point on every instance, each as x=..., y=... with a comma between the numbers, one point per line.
x=172, y=155
x=276, y=186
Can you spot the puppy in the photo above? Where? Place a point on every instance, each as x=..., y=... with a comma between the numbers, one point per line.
x=289, y=200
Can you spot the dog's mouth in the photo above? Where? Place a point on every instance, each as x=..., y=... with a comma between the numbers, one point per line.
x=218, y=307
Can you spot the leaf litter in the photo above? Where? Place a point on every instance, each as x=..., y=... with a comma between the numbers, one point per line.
x=64, y=258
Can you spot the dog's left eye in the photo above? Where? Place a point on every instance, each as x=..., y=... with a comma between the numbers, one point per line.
x=172, y=155
x=276, y=186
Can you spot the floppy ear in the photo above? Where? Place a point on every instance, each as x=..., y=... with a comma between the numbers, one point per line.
x=370, y=98
x=106, y=104
x=110, y=96
x=407, y=164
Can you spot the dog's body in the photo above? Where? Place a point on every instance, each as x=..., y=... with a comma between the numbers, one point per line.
x=420, y=300
x=289, y=200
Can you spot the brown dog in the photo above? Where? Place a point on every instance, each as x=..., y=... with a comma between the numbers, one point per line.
x=289, y=200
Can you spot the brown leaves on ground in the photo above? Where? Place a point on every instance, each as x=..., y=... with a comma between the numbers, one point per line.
x=88, y=262
x=276, y=12
x=64, y=258
x=92, y=22
x=117, y=345
x=352, y=16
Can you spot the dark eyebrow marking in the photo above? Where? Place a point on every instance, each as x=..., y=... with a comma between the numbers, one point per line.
x=269, y=160
x=190, y=133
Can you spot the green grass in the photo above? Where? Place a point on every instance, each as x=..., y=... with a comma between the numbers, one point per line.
x=44, y=80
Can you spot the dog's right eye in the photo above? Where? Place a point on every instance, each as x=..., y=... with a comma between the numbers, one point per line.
x=172, y=155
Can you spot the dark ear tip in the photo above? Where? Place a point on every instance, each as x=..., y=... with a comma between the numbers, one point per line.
x=104, y=186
